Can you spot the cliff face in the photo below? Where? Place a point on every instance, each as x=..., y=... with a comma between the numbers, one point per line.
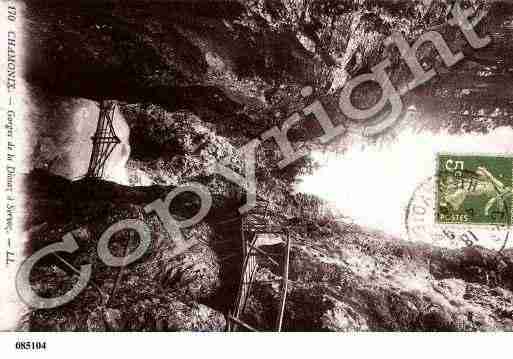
x=342, y=277
x=240, y=66
x=59, y=131
x=234, y=63
x=196, y=80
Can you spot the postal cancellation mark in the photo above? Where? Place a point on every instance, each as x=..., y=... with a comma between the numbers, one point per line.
x=474, y=189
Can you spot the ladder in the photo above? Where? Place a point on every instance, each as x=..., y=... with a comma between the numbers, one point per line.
x=250, y=233
x=104, y=140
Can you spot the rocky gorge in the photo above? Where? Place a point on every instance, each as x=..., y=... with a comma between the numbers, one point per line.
x=195, y=81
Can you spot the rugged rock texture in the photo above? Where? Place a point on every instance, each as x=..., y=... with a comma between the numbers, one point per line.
x=241, y=65
x=343, y=277
x=354, y=280
x=58, y=135
x=236, y=68
x=171, y=277
x=194, y=84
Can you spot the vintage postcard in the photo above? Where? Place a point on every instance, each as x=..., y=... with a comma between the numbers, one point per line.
x=247, y=166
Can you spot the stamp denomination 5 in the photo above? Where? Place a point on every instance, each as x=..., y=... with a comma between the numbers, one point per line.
x=473, y=189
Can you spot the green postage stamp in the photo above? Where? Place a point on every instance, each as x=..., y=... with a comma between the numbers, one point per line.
x=474, y=189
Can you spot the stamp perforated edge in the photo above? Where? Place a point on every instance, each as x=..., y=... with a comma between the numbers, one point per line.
x=470, y=225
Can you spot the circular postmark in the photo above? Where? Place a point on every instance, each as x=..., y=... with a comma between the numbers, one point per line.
x=422, y=225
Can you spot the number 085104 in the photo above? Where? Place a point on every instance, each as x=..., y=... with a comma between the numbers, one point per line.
x=31, y=345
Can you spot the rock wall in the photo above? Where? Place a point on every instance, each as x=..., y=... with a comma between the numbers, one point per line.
x=59, y=131
x=198, y=81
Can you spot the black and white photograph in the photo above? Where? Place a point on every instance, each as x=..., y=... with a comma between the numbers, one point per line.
x=256, y=166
